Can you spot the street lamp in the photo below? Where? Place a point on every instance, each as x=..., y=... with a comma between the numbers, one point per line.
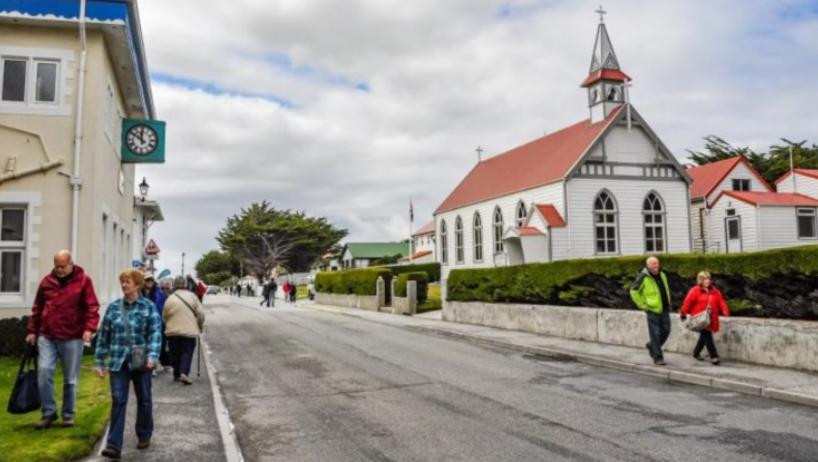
x=143, y=189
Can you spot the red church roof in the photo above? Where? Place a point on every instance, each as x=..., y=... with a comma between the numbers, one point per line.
x=529, y=231
x=551, y=214
x=605, y=74
x=536, y=163
x=708, y=176
x=771, y=198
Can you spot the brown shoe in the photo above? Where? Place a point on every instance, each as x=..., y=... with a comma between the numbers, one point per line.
x=45, y=422
x=143, y=444
x=112, y=453
x=67, y=422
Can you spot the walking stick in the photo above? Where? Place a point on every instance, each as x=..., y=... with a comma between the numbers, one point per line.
x=199, y=357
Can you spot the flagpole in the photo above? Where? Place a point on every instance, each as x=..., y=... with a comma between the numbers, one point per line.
x=411, y=238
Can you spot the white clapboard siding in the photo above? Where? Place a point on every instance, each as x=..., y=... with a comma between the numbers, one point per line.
x=548, y=194
x=779, y=228
x=805, y=185
x=749, y=224
x=740, y=171
x=632, y=146
x=629, y=195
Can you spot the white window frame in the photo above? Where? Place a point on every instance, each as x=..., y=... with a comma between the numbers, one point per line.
x=519, y=218
x=459, y=253
x=57, y=79
x=16, y=247
x=806, y=212
x=3, y=60
x=30, y=84
x=659, y=214
x=497, y=230
x=32, y=57
x=444, y=251
x=477, y=235
x=605, y=225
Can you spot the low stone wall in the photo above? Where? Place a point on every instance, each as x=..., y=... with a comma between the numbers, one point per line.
x=405, y=305
x=363, y=302
x=783, y=343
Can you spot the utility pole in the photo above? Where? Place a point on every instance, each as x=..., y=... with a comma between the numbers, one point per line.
x=792, y=163
x=183, y=264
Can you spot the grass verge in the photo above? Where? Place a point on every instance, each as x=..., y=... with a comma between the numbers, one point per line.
x=20, y=441
x=433, y=301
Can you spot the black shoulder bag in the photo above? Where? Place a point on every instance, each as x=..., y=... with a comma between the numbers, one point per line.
x=25, y=396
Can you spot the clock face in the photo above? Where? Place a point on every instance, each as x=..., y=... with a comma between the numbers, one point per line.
x=141, y=139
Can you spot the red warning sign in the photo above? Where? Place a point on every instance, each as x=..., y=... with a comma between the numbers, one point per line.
x=152, y=248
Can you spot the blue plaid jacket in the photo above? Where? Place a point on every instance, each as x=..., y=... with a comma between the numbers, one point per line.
x=146, y=330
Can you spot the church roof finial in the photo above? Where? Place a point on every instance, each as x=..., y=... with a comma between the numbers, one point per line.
x=603, y=59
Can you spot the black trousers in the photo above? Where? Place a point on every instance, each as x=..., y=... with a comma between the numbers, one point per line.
x=658, y=331
x=706, y=340
x=164, y=357
x=181, y=354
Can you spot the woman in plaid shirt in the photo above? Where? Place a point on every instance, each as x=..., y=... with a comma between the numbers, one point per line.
x=145, y=328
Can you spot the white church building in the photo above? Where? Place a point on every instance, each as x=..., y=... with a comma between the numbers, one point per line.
x=605, y=186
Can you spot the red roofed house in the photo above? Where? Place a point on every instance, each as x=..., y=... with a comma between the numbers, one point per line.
x=601, y=187
x=423, y=245
x=804, y=181
x=709, y=181
x=747, y=221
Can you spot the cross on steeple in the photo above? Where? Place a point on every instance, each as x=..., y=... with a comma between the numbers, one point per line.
x=479, y=151
x=601, y=13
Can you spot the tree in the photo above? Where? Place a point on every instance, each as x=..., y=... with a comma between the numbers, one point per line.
x=263, y=238
x=214, y=267
x=771, y=165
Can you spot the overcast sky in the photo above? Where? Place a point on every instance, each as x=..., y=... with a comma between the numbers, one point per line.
x=345, y=109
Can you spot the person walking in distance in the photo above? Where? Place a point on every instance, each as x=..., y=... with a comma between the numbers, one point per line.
x=265, y=295
x=128, y=348
x=293, y=292
x=651, y=294
x=285, y=289
x=64, y=316
x=154, y=293
x=705, y=296
x=184, y=319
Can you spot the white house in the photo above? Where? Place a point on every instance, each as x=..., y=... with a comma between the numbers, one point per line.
x=604, y=186
x=423, y=245
x=801, y=180
x=747, y=221
x=709, y=181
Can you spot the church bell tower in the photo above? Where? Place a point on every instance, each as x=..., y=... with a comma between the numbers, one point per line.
x=606, y=83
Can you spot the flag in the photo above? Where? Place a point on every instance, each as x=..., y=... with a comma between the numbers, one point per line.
x=411, y=211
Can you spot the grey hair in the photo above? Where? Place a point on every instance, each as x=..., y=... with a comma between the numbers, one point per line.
x=179, y=282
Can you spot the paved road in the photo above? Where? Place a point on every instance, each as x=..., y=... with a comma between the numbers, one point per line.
x=312, y=386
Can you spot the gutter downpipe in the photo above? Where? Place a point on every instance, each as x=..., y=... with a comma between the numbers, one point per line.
x=76, y=179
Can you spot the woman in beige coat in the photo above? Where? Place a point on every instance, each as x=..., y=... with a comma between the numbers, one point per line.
x=184, y=319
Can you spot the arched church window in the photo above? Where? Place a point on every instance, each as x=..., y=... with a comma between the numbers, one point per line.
x=477, y=234
x=444, y=240
x=605, y=223
x=458, y=240
x=653, y=212
x=522, y=213
x=498, y=230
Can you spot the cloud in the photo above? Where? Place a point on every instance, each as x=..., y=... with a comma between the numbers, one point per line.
x=346, y=109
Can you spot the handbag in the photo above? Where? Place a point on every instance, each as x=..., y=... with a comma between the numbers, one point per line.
x=700, y=321
x=25, y=396
x=139, y=360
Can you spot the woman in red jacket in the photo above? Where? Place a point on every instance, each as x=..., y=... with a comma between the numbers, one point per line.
x=701, y=296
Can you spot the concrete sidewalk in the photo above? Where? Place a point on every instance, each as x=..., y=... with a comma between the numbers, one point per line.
x=185, y=423
x=771, y=382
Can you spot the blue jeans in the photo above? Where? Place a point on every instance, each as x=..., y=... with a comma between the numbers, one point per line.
x=658, y=331
x=120, y=385
x=69, y=353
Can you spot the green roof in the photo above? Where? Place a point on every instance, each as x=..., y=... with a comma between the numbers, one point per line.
x=377, y=249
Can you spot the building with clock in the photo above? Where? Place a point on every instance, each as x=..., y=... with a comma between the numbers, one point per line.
x=604, y=186
x=67, y=81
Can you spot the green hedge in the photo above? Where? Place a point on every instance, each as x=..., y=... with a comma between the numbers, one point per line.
x=774, y=283
x=354, y=281
x=422, y=281
x=431, y=269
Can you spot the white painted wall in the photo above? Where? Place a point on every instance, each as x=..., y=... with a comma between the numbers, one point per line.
x=699, y=227
x=749, y=224
x=629, y=195
x=622, y=145
x=739, y=172
x=548, y=194
x=805, y=185
x=779, y=228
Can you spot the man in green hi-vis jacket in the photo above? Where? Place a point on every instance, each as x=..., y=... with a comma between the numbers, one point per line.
x=651, y=294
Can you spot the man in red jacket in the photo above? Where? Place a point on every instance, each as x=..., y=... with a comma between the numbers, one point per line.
x=64, y=316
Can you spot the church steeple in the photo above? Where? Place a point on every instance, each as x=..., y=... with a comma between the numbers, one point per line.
x=605, y=82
